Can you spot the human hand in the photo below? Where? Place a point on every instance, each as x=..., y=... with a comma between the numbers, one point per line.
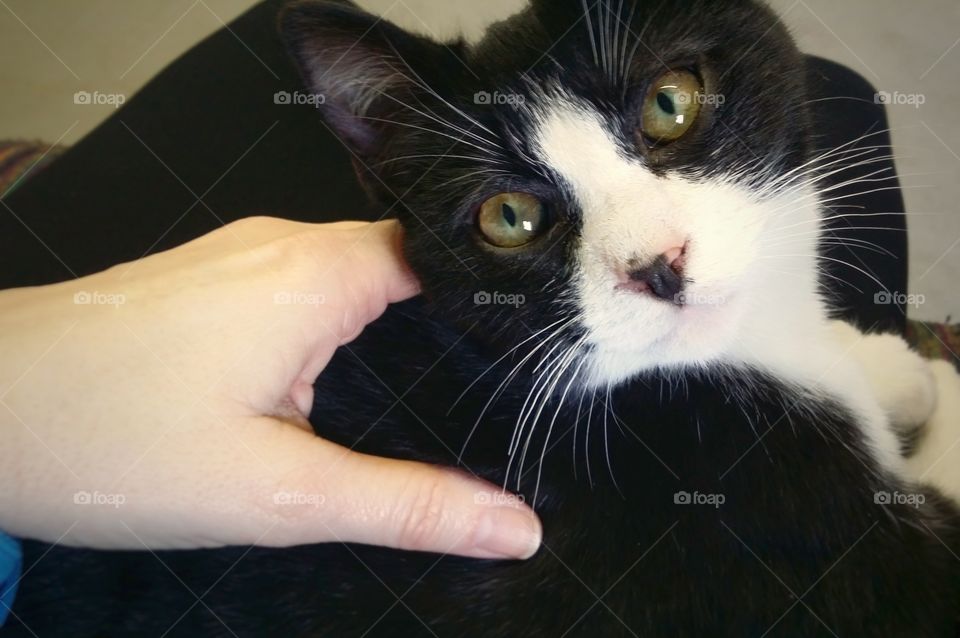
x=163, y=404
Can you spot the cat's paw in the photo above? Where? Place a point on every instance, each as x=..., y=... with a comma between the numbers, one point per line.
x=902, y=381
x=936, y=458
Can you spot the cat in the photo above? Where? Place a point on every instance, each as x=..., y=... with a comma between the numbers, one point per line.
x=614, y=209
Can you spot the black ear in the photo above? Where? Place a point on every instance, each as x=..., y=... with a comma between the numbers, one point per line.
x=366, y=70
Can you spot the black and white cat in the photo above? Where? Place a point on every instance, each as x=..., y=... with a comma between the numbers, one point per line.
x=615, y=212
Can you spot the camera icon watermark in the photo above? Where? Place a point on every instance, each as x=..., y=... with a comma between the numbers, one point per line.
x=485, y=98
x=887, y=298
x=96, y=298
x=499, y=499
x=698, y=299
x=899, y=498
x=96, y=98
x=297, y=98
x=298, y=298
x=703, y=99
x=99, y=499
x=699, y=499
x=299, y=499
x=897, y=98
x=484, y=298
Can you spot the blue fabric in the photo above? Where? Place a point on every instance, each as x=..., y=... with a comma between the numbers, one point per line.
x=11, y=562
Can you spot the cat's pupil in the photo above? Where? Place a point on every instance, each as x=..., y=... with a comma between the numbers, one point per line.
x=508, y=214
x=665, y=103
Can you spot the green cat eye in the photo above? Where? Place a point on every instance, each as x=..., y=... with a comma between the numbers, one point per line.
x=511, y=220
x=672, y=106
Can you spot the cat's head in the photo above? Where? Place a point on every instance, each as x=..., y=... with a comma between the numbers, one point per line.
x=610, y=176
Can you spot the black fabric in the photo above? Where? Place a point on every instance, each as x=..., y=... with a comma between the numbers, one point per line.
x=205, y=143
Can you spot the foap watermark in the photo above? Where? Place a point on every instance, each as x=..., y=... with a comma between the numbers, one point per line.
x=97, y=298
x=500, y=499
x=698, y=498
x=698, y=299
x=899, y=498
x=100, y=499
x=898, y=299
x=301, y=499
x=484, y=298
x=703, y=99
x=298, y=298
x=96, y=98
x=897, y=98
x=485, y=98
x=298, y=98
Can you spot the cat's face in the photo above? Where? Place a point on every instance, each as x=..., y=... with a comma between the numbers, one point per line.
x=607, y=180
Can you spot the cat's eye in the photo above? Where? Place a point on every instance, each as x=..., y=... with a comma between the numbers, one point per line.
x=511, y=220
x=671, y=106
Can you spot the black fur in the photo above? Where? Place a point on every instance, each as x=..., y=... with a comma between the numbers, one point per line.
x=799, y=546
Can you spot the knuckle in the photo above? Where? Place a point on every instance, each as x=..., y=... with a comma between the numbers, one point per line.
x=422, y=519
x=251, y=226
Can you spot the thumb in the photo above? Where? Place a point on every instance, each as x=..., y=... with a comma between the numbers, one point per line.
x=401, y=504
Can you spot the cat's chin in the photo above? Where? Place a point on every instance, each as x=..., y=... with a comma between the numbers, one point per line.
x=694, y=335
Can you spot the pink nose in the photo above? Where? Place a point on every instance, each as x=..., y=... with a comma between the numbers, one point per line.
x=662, y=277
x=676, y=257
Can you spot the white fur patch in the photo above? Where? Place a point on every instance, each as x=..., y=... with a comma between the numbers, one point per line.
x=937, y=459
x=752, y=297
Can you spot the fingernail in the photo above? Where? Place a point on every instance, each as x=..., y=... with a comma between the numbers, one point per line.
x=508, y=532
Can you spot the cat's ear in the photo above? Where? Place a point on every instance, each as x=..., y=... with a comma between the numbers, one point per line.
x=362, y=68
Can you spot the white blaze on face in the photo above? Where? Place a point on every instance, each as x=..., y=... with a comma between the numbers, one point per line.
x=631, y=215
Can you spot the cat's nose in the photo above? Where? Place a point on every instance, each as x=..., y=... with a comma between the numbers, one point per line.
x=662, y=277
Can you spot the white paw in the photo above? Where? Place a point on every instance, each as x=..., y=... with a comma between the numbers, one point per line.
x=937, y=458
x=901, y=380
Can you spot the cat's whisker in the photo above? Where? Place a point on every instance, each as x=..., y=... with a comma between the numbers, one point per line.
x=538, y=388
x=434, y=116
x=514, y=438
x=606, y=441
x=553, y=421
x=626, y=40
x=459, y=139
x=867, y=246
x=820, y=174
x=639, y=41
x=603, y=18
x=576, y=426
x=486, y=171
x=426, y=87
x=503, y=384
x=818, y=230
x=800, y=177
x=587, y=10
x=433, y=156
x=828, y=236
x=812, y=183
x=846, y=147
x=846, y=216
x=825, y=160
x=815, y=197
x=498, y=361
x=823, y=273
x=866, y=273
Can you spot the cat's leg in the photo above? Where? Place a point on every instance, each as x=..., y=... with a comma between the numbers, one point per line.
x=902, y=381
x=935, y=458
x=921, y=399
